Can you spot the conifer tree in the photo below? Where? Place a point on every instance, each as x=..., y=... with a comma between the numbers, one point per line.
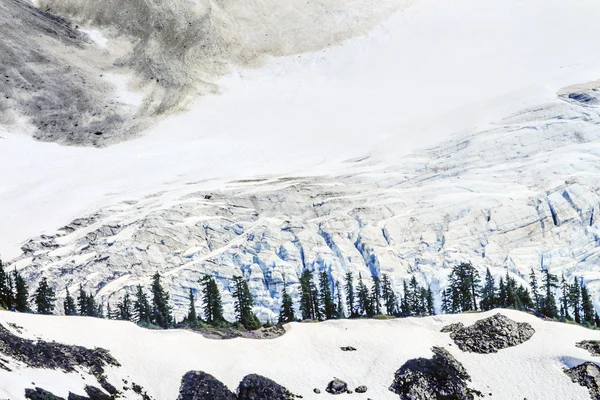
x=286, y=314
x=501, y=301
x=244, y=303
x=211, y=297
x=575, y=300
x=44, y=298
x=587, y=305
x=564, y=298
x=350, y=299
x=464, y=287
x=429, y=302
x=405, y=309
x=91, y=307
x=535, y=290
x=141, y=307
x=125, y=308
x=82, y=301
x=325, y=296
x=488, y=293
x=192, y=317
x=160, y=304
x=6, y=290
x=550, y=281
x=597, y=320
x=21, y=293
x=512, y=300
x=339, y=308
x=447, y=301
x=307, y=296
x=414, y=297
x=69, y=304
x=363, y=298
x=388, y=295
x=376, y=295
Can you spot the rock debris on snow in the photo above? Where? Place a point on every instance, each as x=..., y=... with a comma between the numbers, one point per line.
x=588, y=375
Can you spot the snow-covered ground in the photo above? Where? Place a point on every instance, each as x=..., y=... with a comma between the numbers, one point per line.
x=308, y=356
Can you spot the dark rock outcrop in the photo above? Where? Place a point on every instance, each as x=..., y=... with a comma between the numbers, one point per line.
x=337, y=386
x=440, y=378
x=593, y=346
x=588, y=375
x=40, y=394
x=348, y=348
x=95, y=393
x=490, y=334
x=452, y=327
x=257, y=387
x=198, y=385
x=361, y=389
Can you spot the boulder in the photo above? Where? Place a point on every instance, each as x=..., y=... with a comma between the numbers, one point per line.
x=361, y=389
x=588, y=375
x=452, y=327
x=198, y=385
x=337, y=386
x=440, y=378
x=593, y=346
x=257, y=387
x=348, y=348
x=40, y=394
x=95, y=393
x=491, y=334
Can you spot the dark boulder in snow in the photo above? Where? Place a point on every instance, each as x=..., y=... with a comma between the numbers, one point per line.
x=40, y=394
x=198, y=385
x=440, y=378
x=593, y=346
x=452, y=327
x=95, y=393
x=490, y=334
x=257, y=387
x=588, y=375
x=361, y=389
x=337, y=386
x=348, y=348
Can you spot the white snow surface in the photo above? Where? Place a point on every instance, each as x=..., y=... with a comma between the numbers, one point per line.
x=308, y=356
x=431, y=69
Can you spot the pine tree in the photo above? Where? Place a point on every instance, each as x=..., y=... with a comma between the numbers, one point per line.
x=307, y=296
x=575, y=300
x=141, y=307
x=125, y=309
x=564, y=299
x=286, y=314
x=413, y=297
x=488, y=293
x=511, y=292
x=597, y=320
x=550, y=281
x=211, y=297
x=82, y=301
x=160, y=304
x=91, y=307
x=339, y=308
x=535, y=290
x=447, y=301
x=6, y=290
x=429, y=302
x=363, y=298
x=524, y=300
x=376, y=295
x=44, y=298
x=501, y=300
x=587, y=305
x=464, y=284
x=69, y=304
x=350, y=299
x=21, y=293
x=388, y=295
x=244, y=303
x=326, y=298
x=192, y=317
x=405, y=309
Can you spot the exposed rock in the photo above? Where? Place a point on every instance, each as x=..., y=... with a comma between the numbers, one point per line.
x=588, y=375
x=348, y=348
x=198, y=385
x=40, y=394
x=73, y=396
x=95, y=393
x=452, y=327
x=257, y=387
x=491, y=334
x=593, y=346
x=440, y=378
x=337, y=386
x=361, y=389
x=317, y=391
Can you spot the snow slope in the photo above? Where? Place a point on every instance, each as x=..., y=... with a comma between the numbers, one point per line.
x=308, y=356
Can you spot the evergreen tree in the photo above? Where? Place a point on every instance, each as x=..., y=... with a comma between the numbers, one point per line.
x=21, y=300
x=69, y=304
x=587, y=305
x=447, y=301
x=6, y=290
x=326, y=298
x=308, y=296
x=535, y=290
x=512, y=300
x=464, y=287
x=192, y=317
x=388, y=295
x=575, y=300
x=488, y=293
x=286, y=314
x=564, y=298
x=244, y=303
x=339, y=308
x=141, y=307
x=82, y=301
x=376, y=295
x=125, y=309
x=211, y=297
x=501, y=300
x=524, y=300
x=405, y=310
x=550, y=281
x=350, y=299
x=91, y=307
x=413, y=297
x=597, y=320
x=44, y=298
x=160, y=304
x=429, y=302
x=363, y=298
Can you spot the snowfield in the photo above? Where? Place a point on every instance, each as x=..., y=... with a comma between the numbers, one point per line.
x=308, y=356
